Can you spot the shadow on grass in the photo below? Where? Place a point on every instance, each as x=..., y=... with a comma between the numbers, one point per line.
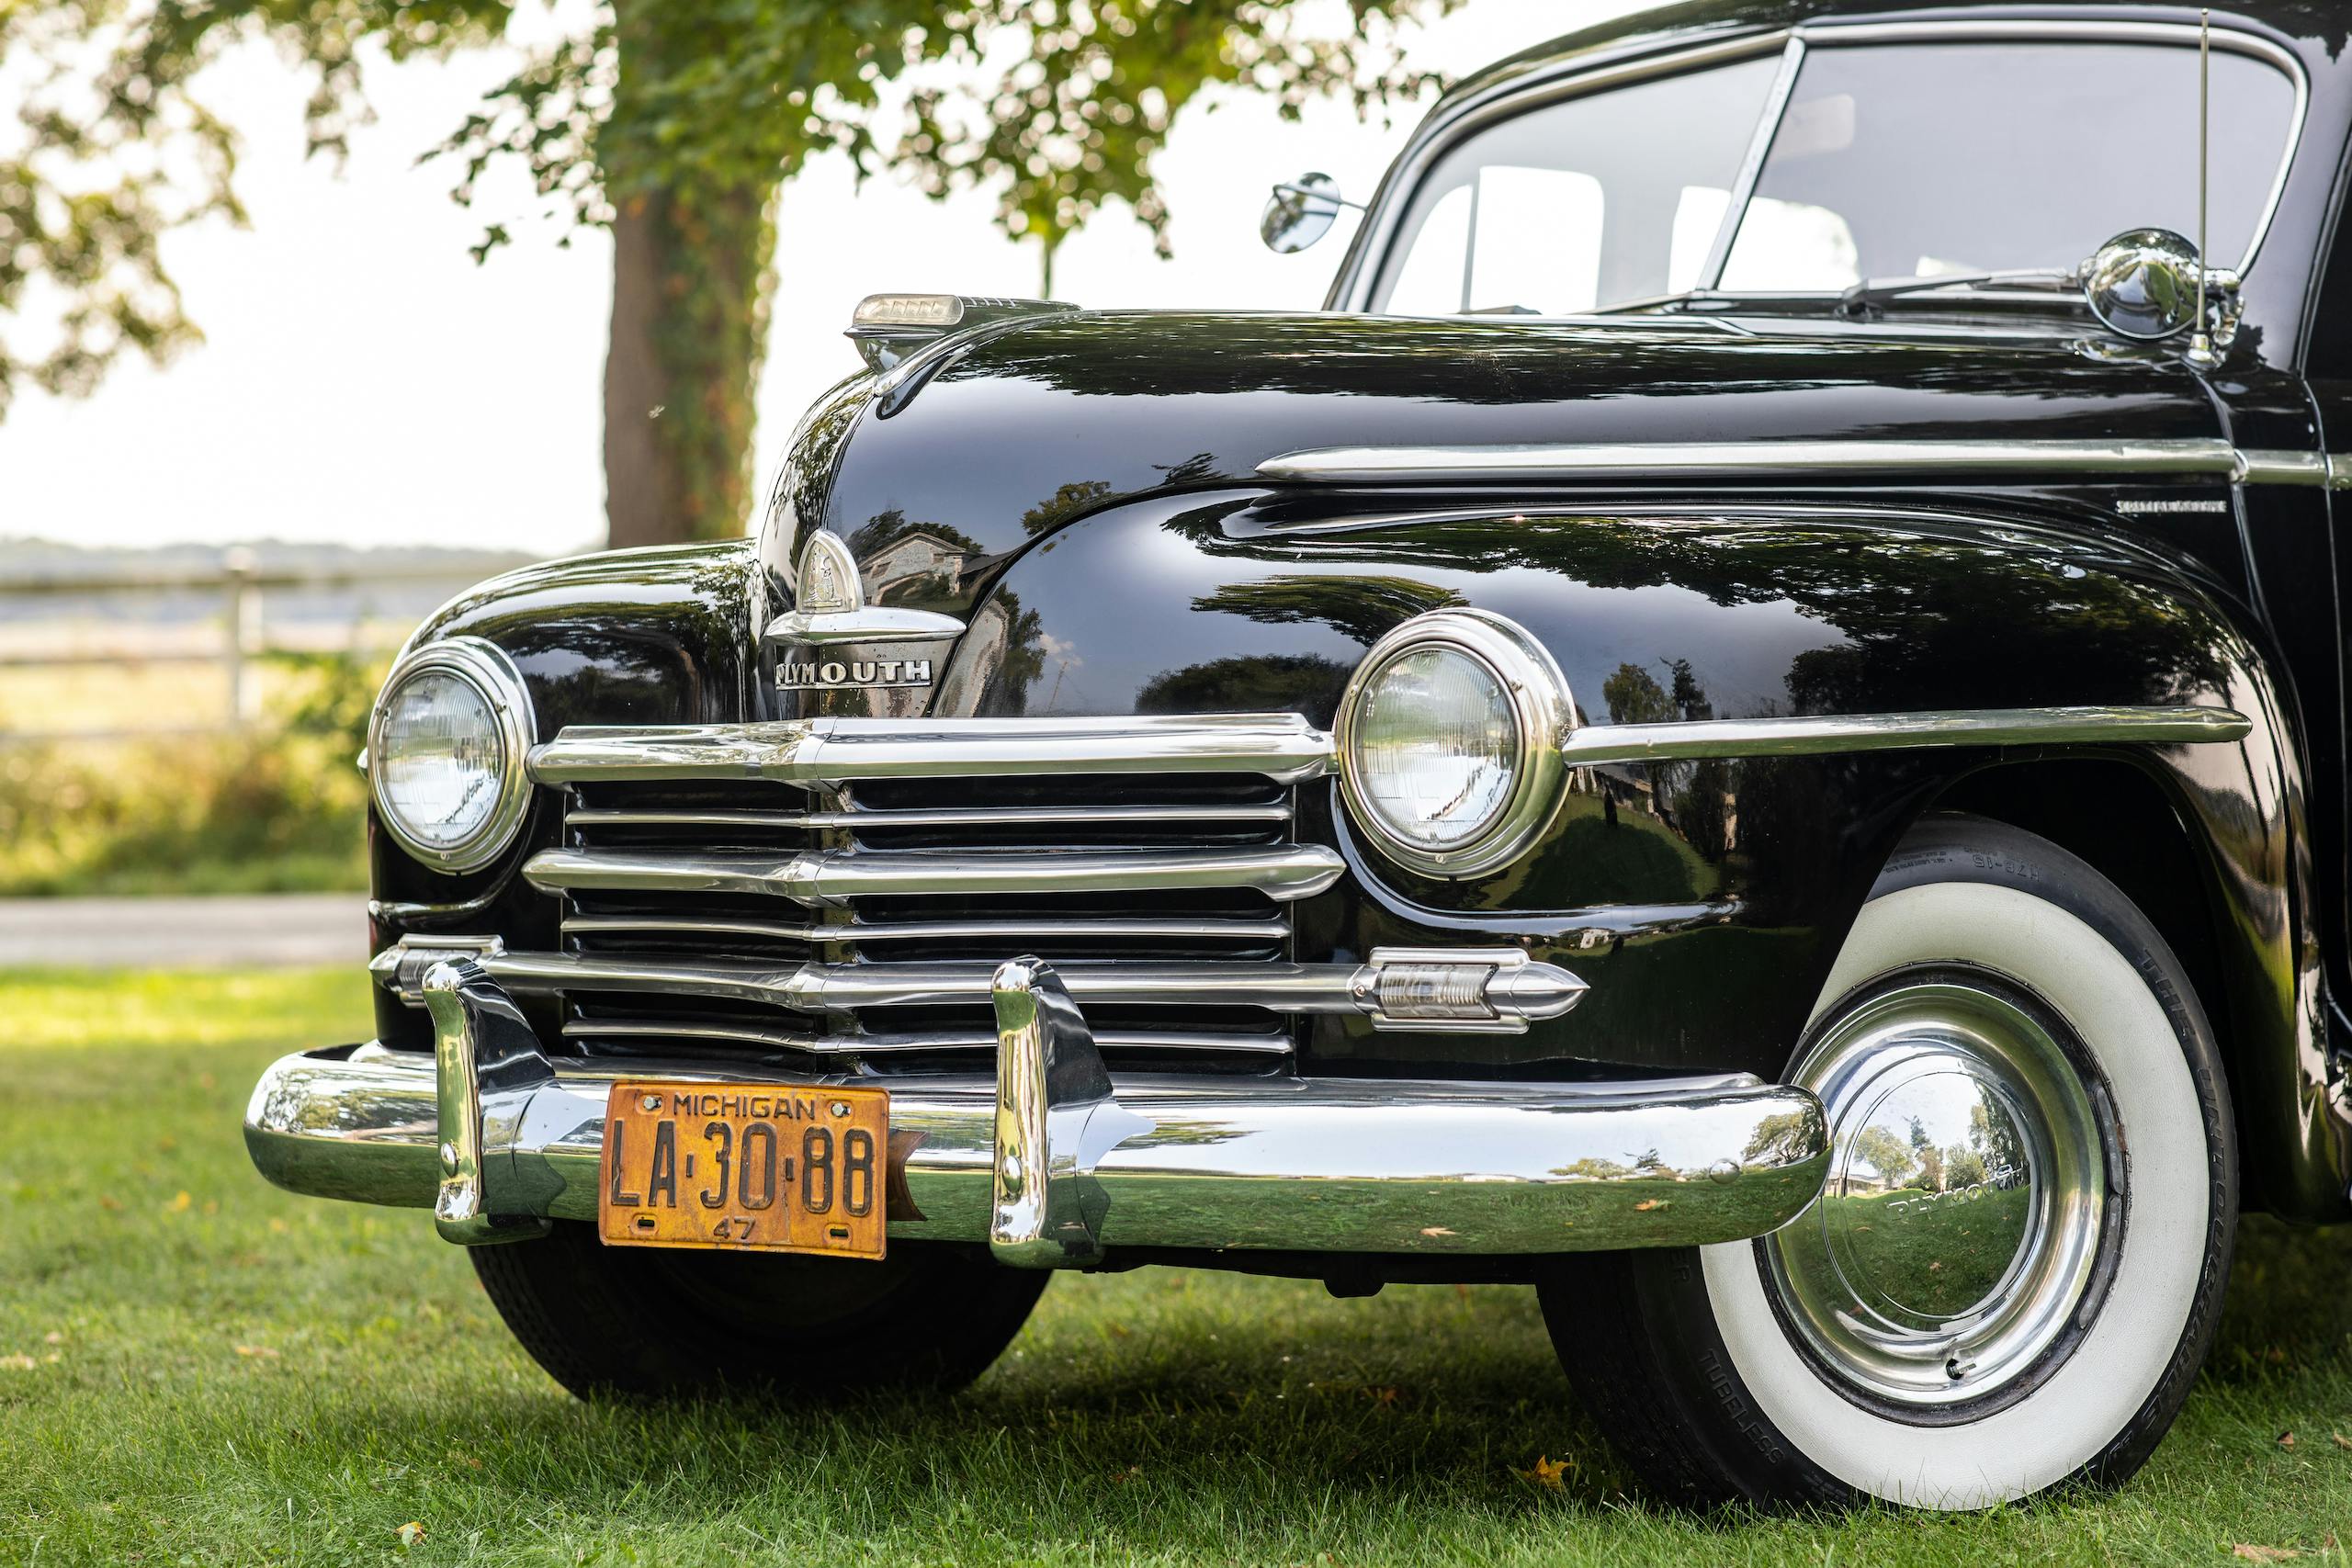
x=1144, y=1401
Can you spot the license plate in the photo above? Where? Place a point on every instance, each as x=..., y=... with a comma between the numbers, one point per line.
x=747, y=1167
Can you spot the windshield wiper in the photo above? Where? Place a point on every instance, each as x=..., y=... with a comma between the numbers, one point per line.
x=1858, y=302
x=1855, y=303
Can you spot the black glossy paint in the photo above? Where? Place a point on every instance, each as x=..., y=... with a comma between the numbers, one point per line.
x=1084, y=490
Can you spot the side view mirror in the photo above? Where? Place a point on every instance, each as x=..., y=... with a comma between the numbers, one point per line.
x=1299, y=212
x=2143, y=284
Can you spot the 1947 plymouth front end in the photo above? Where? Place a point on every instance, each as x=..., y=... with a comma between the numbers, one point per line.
x=1490, y=790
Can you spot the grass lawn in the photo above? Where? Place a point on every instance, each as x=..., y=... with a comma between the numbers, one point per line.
x=195, y=1367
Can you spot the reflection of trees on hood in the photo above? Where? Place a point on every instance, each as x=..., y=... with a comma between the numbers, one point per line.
x=1363, y=608
x=802, y=489
x=1069, y=503
x=888, y=528
x=1940, y=616
x=1168, y=354
x=1271, y=682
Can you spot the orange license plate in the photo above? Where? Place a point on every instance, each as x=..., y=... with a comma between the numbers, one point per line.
x=749, y=1167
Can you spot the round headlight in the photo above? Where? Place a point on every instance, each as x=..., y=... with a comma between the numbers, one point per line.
x=445, y=753
x=1450, y=739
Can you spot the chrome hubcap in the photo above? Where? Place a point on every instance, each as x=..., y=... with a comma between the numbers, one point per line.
x=1959, y=1228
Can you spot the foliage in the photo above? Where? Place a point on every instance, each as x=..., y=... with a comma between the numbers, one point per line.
x=239, y=1375
x=673, y=122
x=278, y=808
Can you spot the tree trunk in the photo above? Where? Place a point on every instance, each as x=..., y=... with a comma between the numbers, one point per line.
x=690, y=291
x=689, y=326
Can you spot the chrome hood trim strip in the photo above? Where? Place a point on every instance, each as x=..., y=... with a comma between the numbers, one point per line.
x=1639, y=461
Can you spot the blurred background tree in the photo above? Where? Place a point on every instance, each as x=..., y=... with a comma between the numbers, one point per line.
x=673, y=122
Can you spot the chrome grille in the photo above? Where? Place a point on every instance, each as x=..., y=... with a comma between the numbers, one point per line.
x=845, y=888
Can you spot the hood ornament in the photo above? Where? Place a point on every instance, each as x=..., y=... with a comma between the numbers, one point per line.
x=829, y=613
x=830, y=605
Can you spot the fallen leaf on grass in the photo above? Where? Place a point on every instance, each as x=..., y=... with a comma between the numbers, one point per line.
x=19, y=1363
x=411, y=1533
x=1646, y=1204
x=1433, y=1232
x=262, y=1351
x=2340, y=1440
x=2286, y=1439
x=2264, y=1553
x=1549, y=1472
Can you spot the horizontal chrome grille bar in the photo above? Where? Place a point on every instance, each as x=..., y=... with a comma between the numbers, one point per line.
x=1070, y=928
x=1279, y=870
x=1276, y=1045
x=1509, y=992
x=941, y=817
x=1282, y=747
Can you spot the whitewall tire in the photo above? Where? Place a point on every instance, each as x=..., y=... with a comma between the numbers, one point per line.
x=2012, y=1275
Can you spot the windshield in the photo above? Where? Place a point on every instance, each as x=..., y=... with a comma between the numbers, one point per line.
x=1609, y=196
x=1889, y=159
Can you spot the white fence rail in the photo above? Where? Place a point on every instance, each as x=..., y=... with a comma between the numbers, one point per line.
x=231, y=617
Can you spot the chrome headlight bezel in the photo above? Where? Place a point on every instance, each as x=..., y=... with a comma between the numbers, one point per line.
x=484, y=667
x=1540, y=706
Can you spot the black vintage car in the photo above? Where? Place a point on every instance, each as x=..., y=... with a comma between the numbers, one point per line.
x=1747, y=727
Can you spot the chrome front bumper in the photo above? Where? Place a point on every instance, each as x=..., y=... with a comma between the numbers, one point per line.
x=1054, y=1162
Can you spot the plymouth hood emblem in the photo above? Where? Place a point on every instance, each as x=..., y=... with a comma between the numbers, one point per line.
x=831, y=618
x=824, y=674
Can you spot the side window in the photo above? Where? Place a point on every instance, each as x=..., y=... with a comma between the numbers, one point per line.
x=1513, y=239
x=1590, y=201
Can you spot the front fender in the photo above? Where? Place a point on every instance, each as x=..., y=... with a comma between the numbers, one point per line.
x=662, y=636
x=1704, y=901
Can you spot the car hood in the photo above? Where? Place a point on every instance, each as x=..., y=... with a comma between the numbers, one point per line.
x=1015, y=433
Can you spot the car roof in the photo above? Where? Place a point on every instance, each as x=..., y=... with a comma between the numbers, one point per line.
x=2328, y=22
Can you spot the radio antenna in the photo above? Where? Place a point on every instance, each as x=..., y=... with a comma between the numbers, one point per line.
x=2201, y=344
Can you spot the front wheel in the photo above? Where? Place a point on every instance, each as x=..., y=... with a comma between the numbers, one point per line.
x=653, y=1324
x=2013, y=1271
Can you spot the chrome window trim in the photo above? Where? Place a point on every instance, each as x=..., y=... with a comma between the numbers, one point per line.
x=1360, y=273
x=485, y=666
x=1751, y=163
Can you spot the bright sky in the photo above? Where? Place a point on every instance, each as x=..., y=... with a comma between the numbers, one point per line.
x=363, y=381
